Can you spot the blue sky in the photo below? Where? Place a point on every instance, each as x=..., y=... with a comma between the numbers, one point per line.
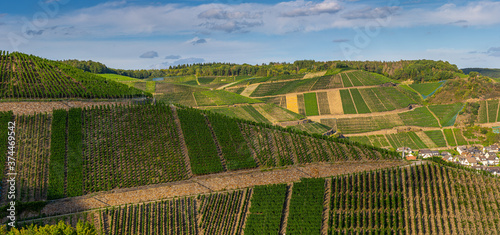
x=142, y=34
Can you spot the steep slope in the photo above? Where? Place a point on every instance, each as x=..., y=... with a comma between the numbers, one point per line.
x=29, y=77
x=419, y=199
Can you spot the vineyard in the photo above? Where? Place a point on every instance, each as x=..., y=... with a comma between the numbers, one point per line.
x=30, y=77
x=415, y=140
x=81, y=151
x=342, y=80
x=426, y=89
x=489, y=111
x=431, y=198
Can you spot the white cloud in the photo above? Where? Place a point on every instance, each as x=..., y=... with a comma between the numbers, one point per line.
x=308, y=8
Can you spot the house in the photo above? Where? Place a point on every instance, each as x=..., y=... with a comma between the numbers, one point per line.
x=461, y=149
x=462, y=160
x=493, y=170
x=483, y=160
x=449, y=158
x=474, y=150
x=446, y=154
x=493, y=160
x=425, y=153
x=404, y=149
x=491, y=148
x=470, y=161
x=488, y=154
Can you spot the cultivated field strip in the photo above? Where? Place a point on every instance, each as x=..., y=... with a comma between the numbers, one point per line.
x=489, y=111
x=419, y=199
x=33, y=133
x=415, y=140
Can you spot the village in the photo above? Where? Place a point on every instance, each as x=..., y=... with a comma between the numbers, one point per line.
x=476, y=157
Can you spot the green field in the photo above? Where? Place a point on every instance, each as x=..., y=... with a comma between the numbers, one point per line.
x=448, y=134
x=360, y=103
x=148, y=86
x=447, y=113
x=312, y=127
x=177, y=93
x=405, y=139
x=419, y=117
x=482, y=113
x=347, y=103
x=459, y=137
x=279, y=88
x=221, y=97
x=345, y=80
x=436, y=137
x=426, y=89
x=266, y=113
x=119, y=78
x=311, y=104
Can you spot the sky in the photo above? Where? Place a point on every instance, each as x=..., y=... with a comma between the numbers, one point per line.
x=145, y=34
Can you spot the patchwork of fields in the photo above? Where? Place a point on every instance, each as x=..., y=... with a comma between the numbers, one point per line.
x=416, y=140
x=417, y=117
x=342, y=80
x=345, y=101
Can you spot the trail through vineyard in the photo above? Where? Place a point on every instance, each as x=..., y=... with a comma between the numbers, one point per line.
x=211, y=183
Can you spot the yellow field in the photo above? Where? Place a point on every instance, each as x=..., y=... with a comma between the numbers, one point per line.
x=291, y=103
x=335, y=102
x=312, y=75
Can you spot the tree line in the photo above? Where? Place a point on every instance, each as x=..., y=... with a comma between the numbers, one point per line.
x=417, y=70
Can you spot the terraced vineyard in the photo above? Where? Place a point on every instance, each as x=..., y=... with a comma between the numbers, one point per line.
x=342, y=80
x=415, y=140
x=447, y=114
x=489, y=111
x=423, y=199
x=426, y=89
x=82, y=151
x=30, y=77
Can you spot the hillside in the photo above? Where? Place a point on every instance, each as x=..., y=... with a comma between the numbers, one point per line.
x=78, y=151
x=493, y=73
x=463, y=89
x=421, y=199
x=30, y=77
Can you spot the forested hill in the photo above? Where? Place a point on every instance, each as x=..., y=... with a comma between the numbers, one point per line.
x=417, y=70
x=25, y=76
x=494, y=73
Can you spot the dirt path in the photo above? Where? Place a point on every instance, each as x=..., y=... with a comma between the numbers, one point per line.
x=326, y=206
x=498, y=111
x=492, y=124
x=434, y=116
x=210, y=183
x=249, y=90
x=487, y=112
x=184, y=149
x=396, y=111
x=227, y=85
x=286, y=209
x=354, y=103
